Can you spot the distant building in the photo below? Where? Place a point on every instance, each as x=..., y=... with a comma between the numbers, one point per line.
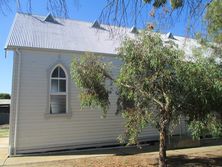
x=4, y=111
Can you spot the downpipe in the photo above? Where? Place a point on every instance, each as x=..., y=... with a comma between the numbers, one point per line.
x=17, y=100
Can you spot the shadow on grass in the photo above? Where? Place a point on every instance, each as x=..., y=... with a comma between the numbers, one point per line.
x=183, y=160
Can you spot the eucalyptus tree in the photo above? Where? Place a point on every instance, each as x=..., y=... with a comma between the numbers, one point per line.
x=155, y=86
x=213, y=38
x=119, y=11
x=154, y=12
x=5, y=96
x=213, y=18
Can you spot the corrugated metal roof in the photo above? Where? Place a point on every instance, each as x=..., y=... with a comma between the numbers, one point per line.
x=33, y=32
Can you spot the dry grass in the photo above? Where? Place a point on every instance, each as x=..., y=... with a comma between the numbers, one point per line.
x=204, y=157
x=4, y=131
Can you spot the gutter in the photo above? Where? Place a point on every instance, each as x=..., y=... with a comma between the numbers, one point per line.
x=17, y=99
x=9, y=47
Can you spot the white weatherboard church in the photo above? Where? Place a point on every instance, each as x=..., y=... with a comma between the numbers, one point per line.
x=45, y=107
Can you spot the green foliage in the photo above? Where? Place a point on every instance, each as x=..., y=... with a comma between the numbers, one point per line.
x=214, y=20
x=90, y=74
x=4, y=132
x=197, y=128
x=158, y=3
x=213, y=50
x=155, y=86
x=201, y=87
x=149, y=82
x=176, y=3
x=213, y=39
x=5, y=96
x=136, y=121
x=210, y=125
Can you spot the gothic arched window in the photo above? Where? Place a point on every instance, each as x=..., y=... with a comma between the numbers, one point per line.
x=58, y=91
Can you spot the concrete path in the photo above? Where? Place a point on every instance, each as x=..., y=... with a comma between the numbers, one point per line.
x=65, y=155
x=17, y=161
x=3, y=150
x=71, y=155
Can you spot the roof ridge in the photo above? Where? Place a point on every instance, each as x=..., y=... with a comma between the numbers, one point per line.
x=91, y=22
x=75, y=20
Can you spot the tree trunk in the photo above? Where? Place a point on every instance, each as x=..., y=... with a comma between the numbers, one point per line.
x=162, y=147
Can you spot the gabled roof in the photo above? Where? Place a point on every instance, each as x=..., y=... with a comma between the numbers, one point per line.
x=30, y=31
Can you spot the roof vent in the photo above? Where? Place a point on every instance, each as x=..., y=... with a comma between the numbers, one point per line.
x=96, y=24
x=134, y=30
x=50, y=18
x=170, y=35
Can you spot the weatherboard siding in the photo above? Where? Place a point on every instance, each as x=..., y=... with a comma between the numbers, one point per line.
x=38, y=131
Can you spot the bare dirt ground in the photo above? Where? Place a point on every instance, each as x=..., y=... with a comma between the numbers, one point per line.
x=194, y=157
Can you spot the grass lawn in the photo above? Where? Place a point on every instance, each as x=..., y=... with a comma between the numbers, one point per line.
x=4, y=131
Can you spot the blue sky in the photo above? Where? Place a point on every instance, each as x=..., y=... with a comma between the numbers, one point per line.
x=86, y=10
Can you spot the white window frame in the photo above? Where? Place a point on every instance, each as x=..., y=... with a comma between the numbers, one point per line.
x=59, y=93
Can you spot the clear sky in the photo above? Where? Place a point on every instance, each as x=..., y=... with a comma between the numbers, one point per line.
x=86, y=10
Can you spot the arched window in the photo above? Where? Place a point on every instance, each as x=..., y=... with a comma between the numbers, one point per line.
x=58, y=91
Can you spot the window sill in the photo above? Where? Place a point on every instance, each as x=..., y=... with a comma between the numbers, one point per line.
x=65, y=115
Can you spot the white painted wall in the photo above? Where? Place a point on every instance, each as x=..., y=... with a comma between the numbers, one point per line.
x=37, y=131
x=13, y=104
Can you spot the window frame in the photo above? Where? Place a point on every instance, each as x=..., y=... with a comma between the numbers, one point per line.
x=50, y=93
